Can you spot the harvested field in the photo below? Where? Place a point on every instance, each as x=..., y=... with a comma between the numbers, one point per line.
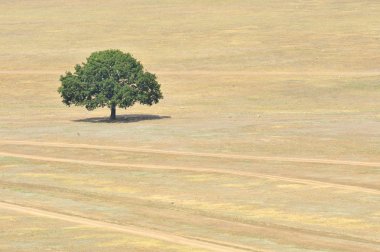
x=267, y=139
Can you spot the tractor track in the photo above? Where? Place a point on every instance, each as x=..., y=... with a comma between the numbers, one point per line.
x=193, y=169
x=317, y=237
x=190, y=241
x=155, y=234
x=195, y=154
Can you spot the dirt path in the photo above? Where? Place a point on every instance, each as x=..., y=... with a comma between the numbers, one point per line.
x=196, y=154
x=192, y=242
x=296, y=235
x=218, y=72
x=192, y=169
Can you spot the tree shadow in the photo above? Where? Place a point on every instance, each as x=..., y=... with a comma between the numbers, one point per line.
x=131, y=118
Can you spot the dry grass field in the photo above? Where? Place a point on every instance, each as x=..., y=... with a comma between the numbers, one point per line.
x=268, y=137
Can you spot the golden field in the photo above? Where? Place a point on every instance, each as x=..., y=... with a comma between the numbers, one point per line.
x=268, y=137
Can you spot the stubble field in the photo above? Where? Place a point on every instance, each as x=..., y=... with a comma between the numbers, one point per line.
x=268, y=137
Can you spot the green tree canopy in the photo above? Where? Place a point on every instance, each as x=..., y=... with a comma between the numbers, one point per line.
x=110, y=79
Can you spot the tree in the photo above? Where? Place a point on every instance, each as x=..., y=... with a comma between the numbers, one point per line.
x=110, y=79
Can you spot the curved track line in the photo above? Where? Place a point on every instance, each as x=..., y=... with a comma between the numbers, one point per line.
x=296, y=232
x=192, y=169
x=220, y=247
x=196, y=154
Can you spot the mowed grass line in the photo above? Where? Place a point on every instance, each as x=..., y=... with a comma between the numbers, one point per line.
x=193, y=242
x=195, y=154
x=316, y=237
x=192, y=169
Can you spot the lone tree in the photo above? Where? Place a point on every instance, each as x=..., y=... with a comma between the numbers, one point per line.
x=110, y=79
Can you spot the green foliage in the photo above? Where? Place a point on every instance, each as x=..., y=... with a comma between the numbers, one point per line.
x=110, y=79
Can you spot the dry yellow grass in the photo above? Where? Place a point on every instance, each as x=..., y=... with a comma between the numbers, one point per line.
x=281, y=79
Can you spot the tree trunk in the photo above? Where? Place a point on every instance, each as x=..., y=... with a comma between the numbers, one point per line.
x=113, y=113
